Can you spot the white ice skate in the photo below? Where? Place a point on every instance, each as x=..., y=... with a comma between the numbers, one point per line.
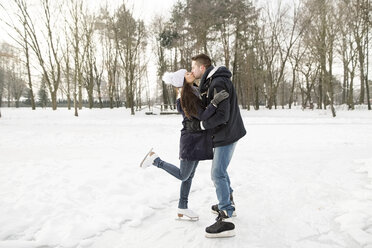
x=187, y=214
x=148, y=160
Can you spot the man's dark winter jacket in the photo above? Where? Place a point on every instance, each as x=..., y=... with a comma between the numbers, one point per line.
x=196, y=145
x=226, y=124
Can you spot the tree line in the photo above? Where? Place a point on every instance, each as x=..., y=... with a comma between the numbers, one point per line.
x=312, y=53
x=80, y=54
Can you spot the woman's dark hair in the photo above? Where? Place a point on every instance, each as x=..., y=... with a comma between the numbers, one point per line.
x=189, y=101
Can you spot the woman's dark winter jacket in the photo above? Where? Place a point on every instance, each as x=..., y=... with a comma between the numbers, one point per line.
x=196, y=145
x=226, y=124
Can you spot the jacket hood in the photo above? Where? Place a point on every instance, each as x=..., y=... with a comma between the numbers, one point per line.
x=218, y=71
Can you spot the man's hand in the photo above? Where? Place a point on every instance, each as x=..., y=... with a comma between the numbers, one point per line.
x=219, y=97
x=193, y=125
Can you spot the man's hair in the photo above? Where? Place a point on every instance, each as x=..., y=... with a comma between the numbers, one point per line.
x=202, y=59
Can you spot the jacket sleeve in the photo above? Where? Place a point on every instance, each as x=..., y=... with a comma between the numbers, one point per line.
x=206, y=113
x=178, y=104
x=222, y=114
x=179, y=108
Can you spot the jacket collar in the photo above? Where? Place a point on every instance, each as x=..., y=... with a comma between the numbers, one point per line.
x=203, y=82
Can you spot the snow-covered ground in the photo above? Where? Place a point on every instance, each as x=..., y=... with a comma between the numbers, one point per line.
x=302, y=179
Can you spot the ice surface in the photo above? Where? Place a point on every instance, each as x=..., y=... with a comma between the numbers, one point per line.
x=301, y=179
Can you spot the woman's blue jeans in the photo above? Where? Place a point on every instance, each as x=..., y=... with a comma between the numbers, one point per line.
x=185, y=173
x=221, y=160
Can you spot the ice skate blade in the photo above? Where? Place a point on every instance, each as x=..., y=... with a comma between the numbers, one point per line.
x=182, y=217
x=148, y=154
x=226, y=234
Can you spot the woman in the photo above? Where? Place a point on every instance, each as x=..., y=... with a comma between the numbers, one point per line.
x=194, y=146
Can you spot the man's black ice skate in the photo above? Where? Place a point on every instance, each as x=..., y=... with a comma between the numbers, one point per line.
x=223, y=227
x=215, y=209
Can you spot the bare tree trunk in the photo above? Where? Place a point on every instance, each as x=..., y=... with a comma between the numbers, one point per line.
x=331, y=90
x=283, y=95
x=235, y=63
x=345, y=63
x=226, y=43
x=320, y=92
x=68, y=82
x=98, y=78
x=2, y=78
x=367, y=21
x=331, y=33
x=9, y=94
x=32, y=98
x=80, y=83
x=350, y=101
x=89, y=67
x=294, y=69
x=76, y=80
x=322, y=56
x=75, y=96
x=361, y=67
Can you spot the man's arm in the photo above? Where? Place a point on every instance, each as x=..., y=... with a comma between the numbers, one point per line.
x=205, y=114
x=222, y=114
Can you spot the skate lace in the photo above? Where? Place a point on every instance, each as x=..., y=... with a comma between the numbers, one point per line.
x=221, y=216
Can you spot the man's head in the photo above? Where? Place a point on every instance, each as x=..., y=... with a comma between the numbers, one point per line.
x=200, y=63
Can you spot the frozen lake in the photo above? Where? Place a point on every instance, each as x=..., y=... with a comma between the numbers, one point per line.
x=301, y=179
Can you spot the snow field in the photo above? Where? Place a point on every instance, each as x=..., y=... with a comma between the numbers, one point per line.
x=302, y=179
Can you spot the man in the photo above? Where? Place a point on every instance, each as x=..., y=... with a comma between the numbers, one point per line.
x=227, y=128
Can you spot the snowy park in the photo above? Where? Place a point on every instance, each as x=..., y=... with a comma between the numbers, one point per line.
x=89, y=131
x=301, y=179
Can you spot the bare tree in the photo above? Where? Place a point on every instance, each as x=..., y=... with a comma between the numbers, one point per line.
x=22, y=40
x=278, y=39
x=76, y=8
x=331, y=32
x=102, y=26
x=166, y=39
x=346, y=49
x=2, y=77
x=5, y=57
x=67, y=72
x=90, y=58
x=98, y=72
x=130, y=42
x=48, y=54
x=360, y=24
x=111, y=62
x=296, y=56
x=157, y=28
x=351, y=72
x=320, y=37
x=16, y=84
x=309, y=70
x=27, y=54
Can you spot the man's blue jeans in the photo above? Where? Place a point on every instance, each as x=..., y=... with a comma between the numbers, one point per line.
x=220, y=177
x=185, y=173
